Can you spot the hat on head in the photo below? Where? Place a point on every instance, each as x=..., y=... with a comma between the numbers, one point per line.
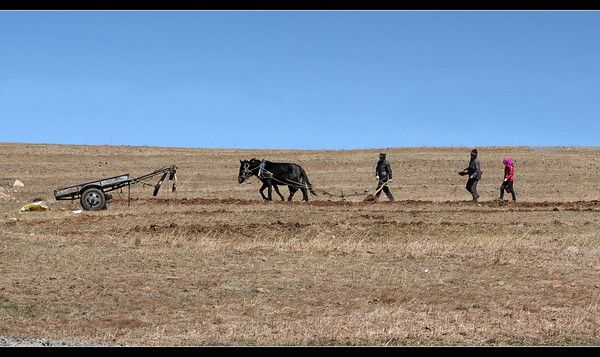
x=382, y=154
x=474, y=151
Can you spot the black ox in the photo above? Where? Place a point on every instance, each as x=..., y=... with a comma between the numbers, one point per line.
x=273, y=174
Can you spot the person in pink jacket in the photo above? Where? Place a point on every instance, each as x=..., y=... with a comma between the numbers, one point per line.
x=509, y=175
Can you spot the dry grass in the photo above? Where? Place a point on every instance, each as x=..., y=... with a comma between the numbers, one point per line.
x=213, y=265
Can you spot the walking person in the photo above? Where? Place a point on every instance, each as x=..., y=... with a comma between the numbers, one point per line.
x=474, y=172
x=383, y=174
x=509, y=175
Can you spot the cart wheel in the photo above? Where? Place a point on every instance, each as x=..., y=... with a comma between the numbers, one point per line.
x=93, y=199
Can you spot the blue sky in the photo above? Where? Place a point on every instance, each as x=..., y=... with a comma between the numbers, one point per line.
x=300, y=79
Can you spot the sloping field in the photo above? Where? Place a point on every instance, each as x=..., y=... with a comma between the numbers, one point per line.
x=214, y=265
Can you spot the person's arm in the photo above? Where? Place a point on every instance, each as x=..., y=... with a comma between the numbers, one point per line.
x=511, y=174
x=389, y=170
x=471, y=169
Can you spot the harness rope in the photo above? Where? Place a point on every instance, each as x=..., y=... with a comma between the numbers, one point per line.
x=269, y=176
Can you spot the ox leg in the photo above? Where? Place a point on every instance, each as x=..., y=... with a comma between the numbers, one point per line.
x=304, y=194
x=292, y=192
x=270, y=185
x=279, y=193
x=264, y=185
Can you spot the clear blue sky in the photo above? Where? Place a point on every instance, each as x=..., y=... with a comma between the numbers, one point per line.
x=300, y=79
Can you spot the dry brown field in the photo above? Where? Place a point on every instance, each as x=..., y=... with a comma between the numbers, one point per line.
x=212, y=264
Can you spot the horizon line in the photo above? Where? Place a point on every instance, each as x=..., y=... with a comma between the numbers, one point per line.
x=297, y=149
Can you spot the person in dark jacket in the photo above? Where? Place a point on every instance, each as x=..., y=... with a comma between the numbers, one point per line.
x=383, y=174
x=509, y=175
x=474, y=172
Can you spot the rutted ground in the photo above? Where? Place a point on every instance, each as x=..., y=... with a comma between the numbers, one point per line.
x=212, y=264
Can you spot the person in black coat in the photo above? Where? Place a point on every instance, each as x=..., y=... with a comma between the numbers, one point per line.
x=474, y=172
x=383, y=174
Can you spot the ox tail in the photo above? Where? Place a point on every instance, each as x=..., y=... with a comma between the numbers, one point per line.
x=307, y=182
